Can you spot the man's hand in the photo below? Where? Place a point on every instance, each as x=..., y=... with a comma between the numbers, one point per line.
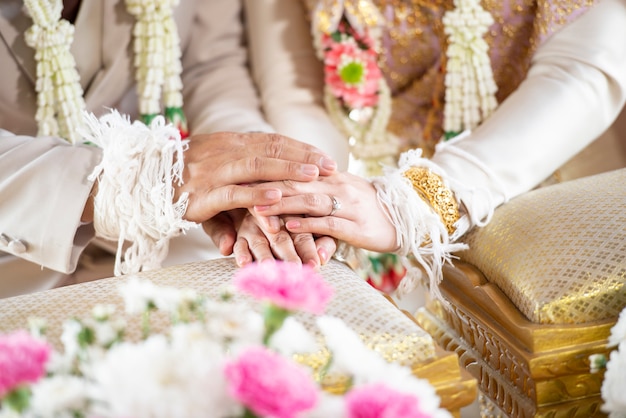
x=220, y=166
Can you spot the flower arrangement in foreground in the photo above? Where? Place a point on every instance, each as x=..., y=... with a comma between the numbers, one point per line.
x=217, y=358
x=614, y=383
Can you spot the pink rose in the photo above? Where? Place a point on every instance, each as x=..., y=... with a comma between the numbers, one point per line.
x=269, y=384
x=22, y=360
x=287, y=285
x=352, y=73
x=380, y=401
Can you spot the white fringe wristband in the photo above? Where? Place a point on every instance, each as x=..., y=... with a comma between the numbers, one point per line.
x=419, y=230
x=135, y=195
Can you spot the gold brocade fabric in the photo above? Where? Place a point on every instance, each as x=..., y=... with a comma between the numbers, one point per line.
x=413, y=45
x=381, y=325
x=559, y=252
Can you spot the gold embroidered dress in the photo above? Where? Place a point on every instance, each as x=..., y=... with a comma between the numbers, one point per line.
x=411, y=40
x=412, y=46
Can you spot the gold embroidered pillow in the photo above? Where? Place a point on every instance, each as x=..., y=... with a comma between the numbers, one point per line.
x=382, y=326
x=559, y=252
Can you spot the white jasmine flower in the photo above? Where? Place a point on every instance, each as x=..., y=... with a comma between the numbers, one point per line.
x=293, y=338
x=138, y=294
x=618, y=332
x=37, y=326
x=614, y=384
x=69, y=337
x=349, y=354
x=103, y=312
x=228, y=321
x=105, y=333
x=172, y=300
x=59, y=396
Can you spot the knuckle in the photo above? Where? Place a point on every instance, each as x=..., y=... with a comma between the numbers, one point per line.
x=332, y=223
x=255, y=164
x=230, y=194
x=312, y=200
x=302, y=238
x=274, y=146
x=281, y=238
x=257, y=243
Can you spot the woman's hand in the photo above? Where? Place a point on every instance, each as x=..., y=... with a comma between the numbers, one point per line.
x=342, y=206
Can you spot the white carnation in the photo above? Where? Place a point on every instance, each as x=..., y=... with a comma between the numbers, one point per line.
x=618, y=332
x=614, y=384
x=165, y=381
x=58, y=396
x=293, y=338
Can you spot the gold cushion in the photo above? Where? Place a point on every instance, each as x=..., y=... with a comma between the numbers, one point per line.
x=382, y=326
x=559, y=252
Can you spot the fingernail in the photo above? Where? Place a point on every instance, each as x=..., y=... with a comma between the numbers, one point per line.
x=242, y=261
x=261, y=208
x=323, y=255
x=328, y=164
x=221, y=246
x=273, y=194
x=313, y=264
x=292, y=224
x=309, y=170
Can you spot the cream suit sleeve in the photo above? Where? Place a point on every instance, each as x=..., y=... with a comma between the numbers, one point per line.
x=43, y=190
x=576, y=87
x=218, y=90
x=288, y=75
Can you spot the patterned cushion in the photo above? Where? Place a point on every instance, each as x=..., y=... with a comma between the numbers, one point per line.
x=382, y=326
x=559, y=252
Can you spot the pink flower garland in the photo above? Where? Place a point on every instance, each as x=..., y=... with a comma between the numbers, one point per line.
x=22, y=360
x=351, y=67
x=269, y=384
x=287, y=285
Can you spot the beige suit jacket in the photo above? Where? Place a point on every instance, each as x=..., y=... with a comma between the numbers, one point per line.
x=43, y=181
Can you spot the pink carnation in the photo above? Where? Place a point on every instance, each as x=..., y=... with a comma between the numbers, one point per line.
x=22, y=360
x=380, y=401
x=269, y=384
x=287, y=285
x=352, y=73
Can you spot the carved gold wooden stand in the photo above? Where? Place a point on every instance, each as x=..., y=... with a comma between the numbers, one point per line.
x=454, y=385
x=526, y=369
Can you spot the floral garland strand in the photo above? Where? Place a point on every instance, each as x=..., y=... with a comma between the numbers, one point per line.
x=356, y=95
x=157, y=61
x=60, y=102
x=470, y=87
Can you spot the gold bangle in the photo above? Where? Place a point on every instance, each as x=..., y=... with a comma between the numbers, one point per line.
x=432, y=189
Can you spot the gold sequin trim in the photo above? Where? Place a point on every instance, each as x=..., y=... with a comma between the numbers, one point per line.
x=432, y=189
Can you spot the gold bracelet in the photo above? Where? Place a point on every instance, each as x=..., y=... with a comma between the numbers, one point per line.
x=432, y=189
